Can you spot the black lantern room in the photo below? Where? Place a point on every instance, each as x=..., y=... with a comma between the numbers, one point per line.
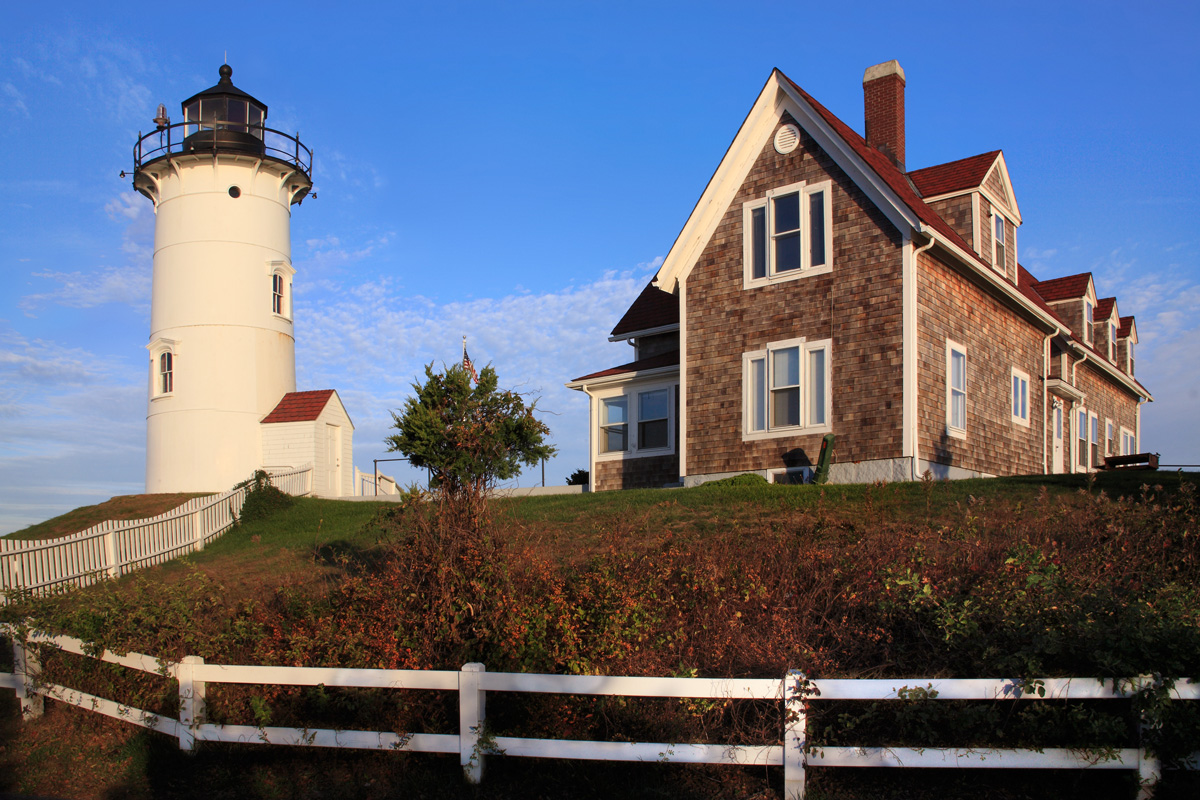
x=224, y=118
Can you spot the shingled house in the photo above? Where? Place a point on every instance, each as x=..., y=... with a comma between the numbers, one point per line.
x=819, y=287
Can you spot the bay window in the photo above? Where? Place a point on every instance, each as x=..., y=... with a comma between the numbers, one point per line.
x=636, y=421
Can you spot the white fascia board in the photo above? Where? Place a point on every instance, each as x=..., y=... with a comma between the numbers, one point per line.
x=995, y=281
x=624, y=337
x=1011, y=203
x=337, y=397
x=897, y=211
x=722, y=186
x=621, y=377
x=1102, y=364
x=776, y=97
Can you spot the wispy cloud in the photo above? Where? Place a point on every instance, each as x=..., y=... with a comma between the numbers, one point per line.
x=14, y=98
x=128, y=284
x=370, y=342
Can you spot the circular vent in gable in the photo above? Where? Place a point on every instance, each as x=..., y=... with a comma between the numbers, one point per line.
x=786, y=139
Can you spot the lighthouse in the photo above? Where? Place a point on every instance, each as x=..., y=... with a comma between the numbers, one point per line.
x=222, y=345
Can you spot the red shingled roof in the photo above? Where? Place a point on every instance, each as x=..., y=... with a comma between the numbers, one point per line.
x=653, y=308
x=670, y=359
x=885, y=169
x=1104, y=308
x=966, y=173
x=1067, y=288
x=1028, y=286
x=1126, y=327
x=300, y=406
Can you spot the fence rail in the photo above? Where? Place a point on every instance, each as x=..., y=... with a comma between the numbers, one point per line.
x=115, y=547
x=793, y=693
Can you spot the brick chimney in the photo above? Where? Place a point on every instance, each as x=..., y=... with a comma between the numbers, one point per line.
x=883, y=104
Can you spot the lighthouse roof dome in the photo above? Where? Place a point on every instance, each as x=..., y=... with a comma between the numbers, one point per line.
x=225, y=88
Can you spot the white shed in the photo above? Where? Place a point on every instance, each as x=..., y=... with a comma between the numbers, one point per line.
x=312, y=428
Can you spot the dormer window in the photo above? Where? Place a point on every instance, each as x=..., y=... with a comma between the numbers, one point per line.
x=1087, y=321
x=1112, y=342
x=998, y=244
x=1129, y=350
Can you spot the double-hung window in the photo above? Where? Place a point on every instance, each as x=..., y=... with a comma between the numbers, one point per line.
x=1110, y=436
x=166, y=372
x=1081, y=439
x=998, y=244
x=637, y=422
x=786, y=389
x=788, y=233
x=1020, y=397
x=956, y=390
x=1128, y=442
x=1112, y=342
x=1095, y=441
x=1087, y=321
x=614, y=424
x=277, y=293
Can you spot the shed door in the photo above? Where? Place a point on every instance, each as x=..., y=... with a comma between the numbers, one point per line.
x=333, y=460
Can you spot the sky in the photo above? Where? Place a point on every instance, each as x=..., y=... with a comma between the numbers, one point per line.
x=516, y=172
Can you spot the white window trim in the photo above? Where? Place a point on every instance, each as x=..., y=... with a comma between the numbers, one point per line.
x=1093, y=439
x=805, y=190
x=1112, y=341
x=1080, y=439
x=748, y=398
x=1089, y=313
x=631, y=392
x=1128, y=442
x=157, y=348
x=1002, y=268
x=1110, y=438
x=285, y=271
x=1129, y=356
x=1024, y=378
x=952, y=430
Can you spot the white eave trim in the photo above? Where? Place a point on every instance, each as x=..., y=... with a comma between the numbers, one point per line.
x=624, y=337
x=1011, y=203
x=1062, y=388
x=584, y=384
x=776, y=97
x=1110, y=369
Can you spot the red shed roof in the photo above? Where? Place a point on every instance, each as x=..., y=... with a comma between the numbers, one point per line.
x=300, y=406
x=670, y=359
x=954, y=176
x=653, y=308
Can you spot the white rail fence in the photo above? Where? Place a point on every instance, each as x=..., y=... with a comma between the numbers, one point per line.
x=113, y=548
x=472, y=683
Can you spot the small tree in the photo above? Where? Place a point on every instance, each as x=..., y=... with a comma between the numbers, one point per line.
x=468, y=436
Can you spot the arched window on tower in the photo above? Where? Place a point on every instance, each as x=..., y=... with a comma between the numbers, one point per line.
x=166, y=372
x=163, y=355
x=281, y=288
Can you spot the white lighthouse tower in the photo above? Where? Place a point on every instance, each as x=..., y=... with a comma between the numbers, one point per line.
x=222, y=349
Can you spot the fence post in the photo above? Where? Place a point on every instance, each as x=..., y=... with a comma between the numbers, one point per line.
x=795, y=720
x=197, y=530
x=191, y=702
x=471, y=711
x=110, y=552
x=28, y=669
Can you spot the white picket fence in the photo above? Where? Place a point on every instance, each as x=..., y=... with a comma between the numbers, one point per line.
x=115, y=547
x=472, y=683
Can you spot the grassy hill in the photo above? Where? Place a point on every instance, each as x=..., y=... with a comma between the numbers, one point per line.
x=1024, y=577
x=130, y=506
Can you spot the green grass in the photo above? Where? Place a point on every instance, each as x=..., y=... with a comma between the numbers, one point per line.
x=133, y=506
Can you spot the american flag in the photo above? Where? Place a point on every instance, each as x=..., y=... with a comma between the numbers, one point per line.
x=467, y=365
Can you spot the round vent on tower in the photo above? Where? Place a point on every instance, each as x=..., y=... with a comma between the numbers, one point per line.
x=786, y=139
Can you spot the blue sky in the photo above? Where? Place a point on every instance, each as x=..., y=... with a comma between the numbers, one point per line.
x=515, y=172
